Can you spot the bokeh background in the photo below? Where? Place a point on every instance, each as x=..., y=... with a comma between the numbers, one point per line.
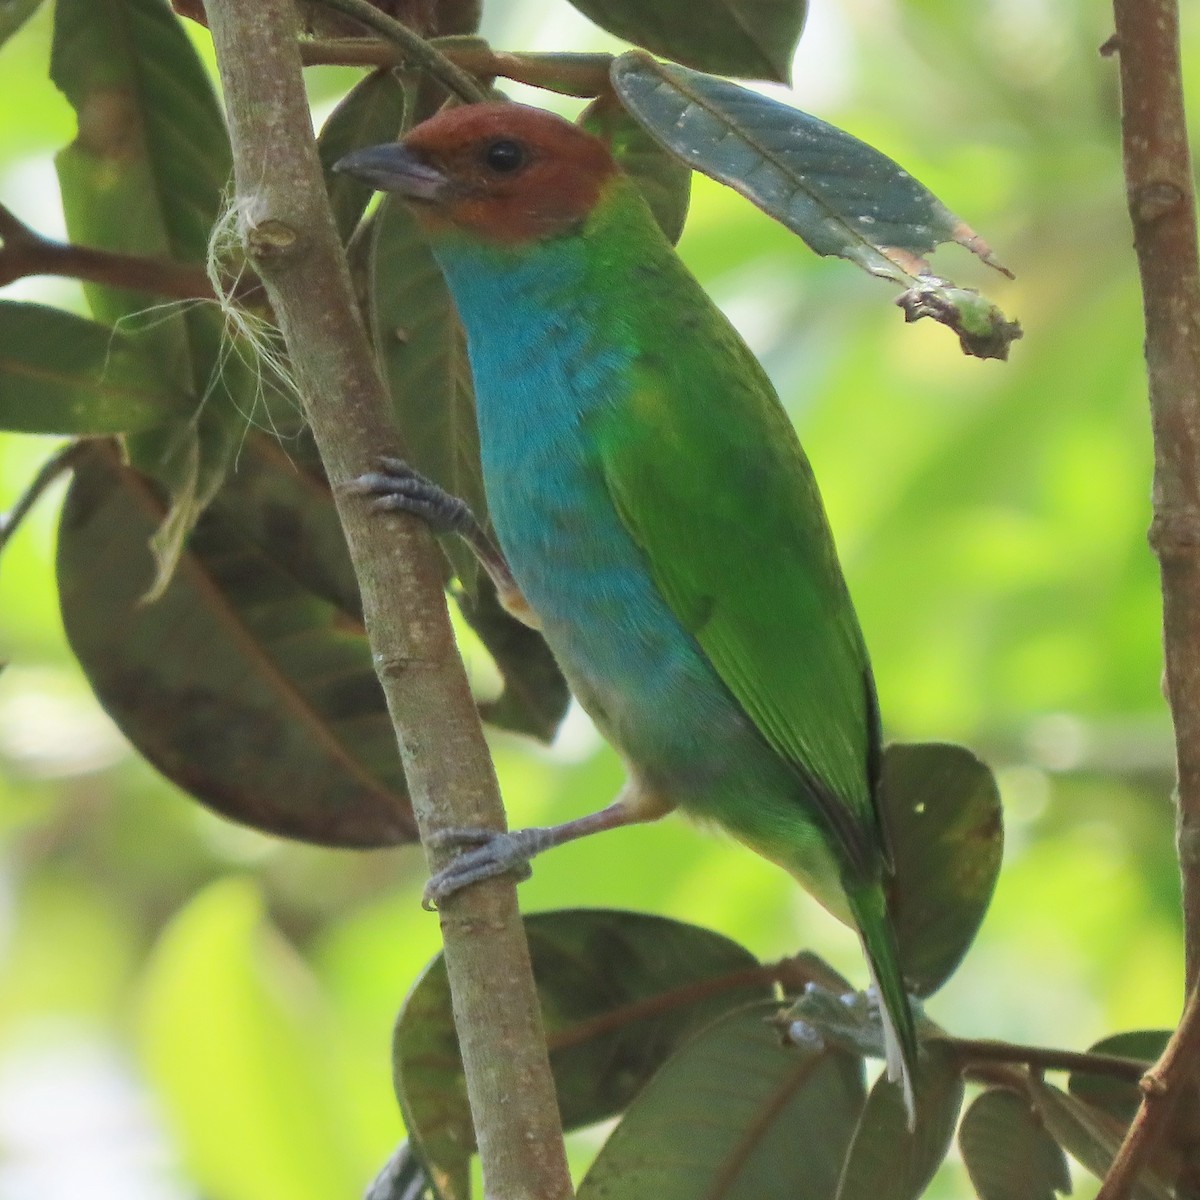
x=191, y=1010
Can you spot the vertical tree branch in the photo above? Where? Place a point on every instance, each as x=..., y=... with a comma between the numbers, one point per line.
x=289, y=234
x=1162, y=205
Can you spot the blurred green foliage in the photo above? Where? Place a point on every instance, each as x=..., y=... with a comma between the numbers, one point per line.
x=240, y=991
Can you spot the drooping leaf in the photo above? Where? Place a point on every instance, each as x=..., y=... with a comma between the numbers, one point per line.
x=232, y=1031
x=840, y=195
x=942, y=812
x=619, y=992
x=754, y=39
x=63, y=374
x=1119, y=1097
x=1090, y=1136
x=14, y=14
x=734, y=1115
x=664, y=181
x=371, y=112
x=887, y=1160
x=1007, y=1151
x=242, y=688
x=145, y=176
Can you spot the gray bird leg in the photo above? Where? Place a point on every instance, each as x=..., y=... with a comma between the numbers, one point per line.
x=395, y=487
x=496, y=853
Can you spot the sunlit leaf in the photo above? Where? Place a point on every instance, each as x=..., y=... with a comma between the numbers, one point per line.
x=235, y=1039
x=1007, y=1151
x=734, y=1115
x=887, y=1160
x=371, y=112
x=1119, y=1097
x=1090, y=1136
x=840, y=195
x=245, y=690
x=941, y=809
x=663, y=180
x=751, y=38
x=63, y=374
x=619, y=992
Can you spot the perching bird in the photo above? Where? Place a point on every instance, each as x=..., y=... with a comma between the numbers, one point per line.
x=657, y=517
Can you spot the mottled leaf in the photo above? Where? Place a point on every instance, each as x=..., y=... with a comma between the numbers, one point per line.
x=734, y=1115
x=1119, y=1097
x=941, y=809
x=663, y=180
x=63, y=374
x=1007, y=1151
x=1089, y=1136
x=840, y=195
x=14, y=14
x=242, y=688
x=751, y=38
x=371, y=112
x=887, y=1160
x=619, y=991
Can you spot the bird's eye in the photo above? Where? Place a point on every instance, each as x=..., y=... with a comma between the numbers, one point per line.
x=504, y=155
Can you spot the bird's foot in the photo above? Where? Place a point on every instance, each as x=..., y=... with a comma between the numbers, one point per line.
x=487, y=853
x=397, y=487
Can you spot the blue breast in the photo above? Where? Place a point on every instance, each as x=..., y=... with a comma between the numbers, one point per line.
x=540, y=372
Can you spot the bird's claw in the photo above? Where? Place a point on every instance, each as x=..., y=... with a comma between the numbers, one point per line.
x=492, y=853
x=396, y=487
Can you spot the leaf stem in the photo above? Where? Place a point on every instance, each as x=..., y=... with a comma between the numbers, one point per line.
x=1162, y=207
x=57, y=464
x=288, y=231
x=416, y=50
x=25, y=252
x=1044, y=1058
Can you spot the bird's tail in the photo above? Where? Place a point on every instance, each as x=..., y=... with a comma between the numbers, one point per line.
x=869, y=908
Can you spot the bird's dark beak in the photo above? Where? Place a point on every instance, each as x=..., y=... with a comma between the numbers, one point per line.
x=393, y=168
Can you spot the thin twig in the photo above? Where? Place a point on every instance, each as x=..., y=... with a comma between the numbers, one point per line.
x=1158, y=182
x=57, y=464
x=25, y=252
x=582, y=75
x=1044, y=1058
x=417, y=51
x=289, y=234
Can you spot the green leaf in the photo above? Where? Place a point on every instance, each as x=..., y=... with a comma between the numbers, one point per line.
x=14, y=14
x=664, y=181
x=1007, y=1151
x=941, y=809
x=233, y=1034
x=372, y=111
x=245, y=690
x=145, y=176
x=1119, y=1097
x=840, y=195
x=619, y=992
x=63, y=374
x=751, y=38
x=1089, y=1136
x=887, y=1160
x=535, y=696
x=734, y=1115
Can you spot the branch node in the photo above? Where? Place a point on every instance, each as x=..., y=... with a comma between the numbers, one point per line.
x=271, y=239
x=1175, y=533
x=1154, y=200
x=1152, y=1085
x=1109, y=48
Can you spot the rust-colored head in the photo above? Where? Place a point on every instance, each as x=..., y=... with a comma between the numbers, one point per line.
x=504, y=172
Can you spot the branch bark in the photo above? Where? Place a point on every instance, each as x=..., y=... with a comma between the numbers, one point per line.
x=1162, y=206
x=289, y=234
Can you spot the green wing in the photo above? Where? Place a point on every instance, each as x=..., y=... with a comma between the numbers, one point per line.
x=708, y=475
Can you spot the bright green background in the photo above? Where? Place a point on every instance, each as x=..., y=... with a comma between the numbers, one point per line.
x=187, y=1008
